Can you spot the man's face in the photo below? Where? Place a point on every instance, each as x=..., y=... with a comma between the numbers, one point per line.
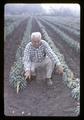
x=36, y=42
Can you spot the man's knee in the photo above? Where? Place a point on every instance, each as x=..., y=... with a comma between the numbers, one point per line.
x=32, y=68
x=48, y=60
x=50, y=63
x=33, y=71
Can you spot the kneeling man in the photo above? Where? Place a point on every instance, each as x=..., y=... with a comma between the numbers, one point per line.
x=38, y=53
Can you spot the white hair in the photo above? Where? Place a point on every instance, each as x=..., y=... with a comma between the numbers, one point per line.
x=35, y=35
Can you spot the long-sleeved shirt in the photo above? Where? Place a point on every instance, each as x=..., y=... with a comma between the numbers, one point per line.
x=32, y=54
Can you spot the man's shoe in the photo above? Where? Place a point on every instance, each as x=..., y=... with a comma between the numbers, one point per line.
x=33, y=77
x=49, y=81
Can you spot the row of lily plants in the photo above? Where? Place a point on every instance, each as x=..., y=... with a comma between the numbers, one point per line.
x=68, y=76
x=75, y=32
x=71, y=22
x=70, y=42
x=16, y=77
x=8, y=28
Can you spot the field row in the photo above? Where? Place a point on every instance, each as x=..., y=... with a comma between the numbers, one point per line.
x=70, y=31
x=72, y=43
x=16, y=78
x=11, y=24
x=70, y=22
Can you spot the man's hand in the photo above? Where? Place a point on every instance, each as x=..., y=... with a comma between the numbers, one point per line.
x=59, y=70
x=28, y=74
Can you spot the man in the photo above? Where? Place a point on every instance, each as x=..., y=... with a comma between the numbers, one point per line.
x=38, y=53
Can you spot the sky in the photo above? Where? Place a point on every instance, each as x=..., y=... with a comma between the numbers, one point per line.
x=57, y=6
x=73, y=7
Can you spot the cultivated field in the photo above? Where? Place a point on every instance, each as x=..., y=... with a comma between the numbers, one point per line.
x=37, y=99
